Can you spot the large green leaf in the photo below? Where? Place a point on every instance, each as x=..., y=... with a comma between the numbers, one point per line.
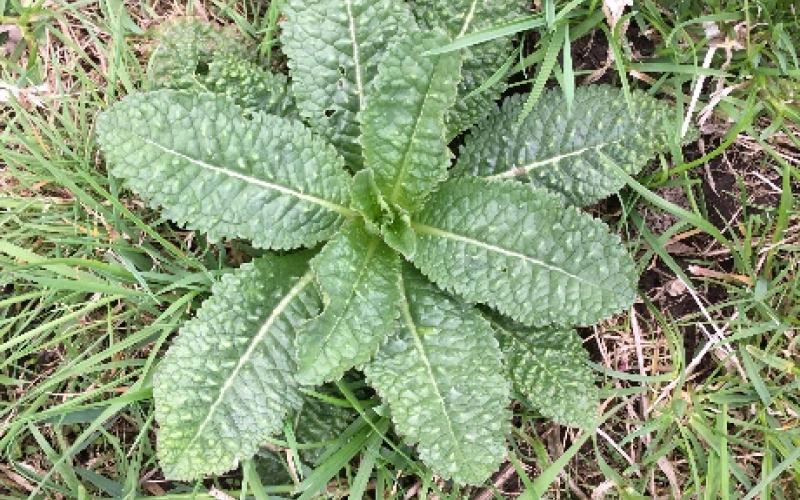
x=334, y=47
x=403, y=122
x=441, y=375
x=462, y=17
x=549, y=369
x=227, y=382
x=522, y=251
x=266, y=178
x=558, y=150
x=358, y=276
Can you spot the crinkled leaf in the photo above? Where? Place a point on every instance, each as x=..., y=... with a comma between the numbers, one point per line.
x=523, y=252
x=367, y=200
x=403, y=122
x=549, y=369
x=357, y=275
x=250, y=86
x=267, y=178
x=558, y=150
x=398, y=234
x=227, y=382
x=192, y=55
x=334, y=47
x=388, y=220
x=441, y=375
x=462, y=17
x=185, y=47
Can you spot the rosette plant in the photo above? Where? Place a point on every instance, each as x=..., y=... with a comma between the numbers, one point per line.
x=450, y=287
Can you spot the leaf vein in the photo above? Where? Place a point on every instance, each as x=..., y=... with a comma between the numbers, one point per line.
x=335, y=207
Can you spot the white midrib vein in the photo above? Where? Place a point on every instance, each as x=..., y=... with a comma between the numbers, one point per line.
x=412, y=328
x=435, y=231
x=335, y=207
x=468, y=19
x=356, y=53
x=404, y=164
x=251, y=348
x=524, y=169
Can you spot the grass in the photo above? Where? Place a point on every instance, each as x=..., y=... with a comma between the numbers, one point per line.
x=700, y=377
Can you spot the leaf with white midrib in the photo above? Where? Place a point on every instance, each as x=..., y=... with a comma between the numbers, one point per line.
x=521, y=170
x=227, y=382
x=245, y=358
x=250, y=179
x=265, y=178
x=357, y=276
x=441, y=375
x=334, y=47
x=549, y=369
x=523, y=252
x=473, y=241
x=403, y=129
x=559, y=149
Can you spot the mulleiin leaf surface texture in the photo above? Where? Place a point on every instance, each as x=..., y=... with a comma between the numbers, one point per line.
x=558, y=150
x=357, y=275
x=549, y=369
x=249, y=85
x=442, y=376
x=186, y=46
x=462, y=17
x=227, y=382
x=266, y=178
x=334, y=47
x=193, y=55
x=523, y=252
x=403, y=122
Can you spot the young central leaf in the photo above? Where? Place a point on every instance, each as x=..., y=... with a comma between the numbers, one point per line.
x=267, y=179
x=403, y=123
x=442, y=377
x=523, y=252
x=357, y=274
x=334, y=47
x=390, y=221
x=227, y=382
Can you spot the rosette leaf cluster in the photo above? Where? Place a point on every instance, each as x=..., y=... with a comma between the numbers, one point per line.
x=452, y=289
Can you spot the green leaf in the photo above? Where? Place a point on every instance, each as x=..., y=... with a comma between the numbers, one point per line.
x=549, y=368
x=523, y=252
x=390, y=221
x=357, y=275
x=558, y=150
x=227, y=382
x=267, y=178
x=334, y=47
x=250, y=86
x=403, y=122
x=398, y=234
x=441, y=375
x=185, y=48
x=193, y=55
x=463, y=17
